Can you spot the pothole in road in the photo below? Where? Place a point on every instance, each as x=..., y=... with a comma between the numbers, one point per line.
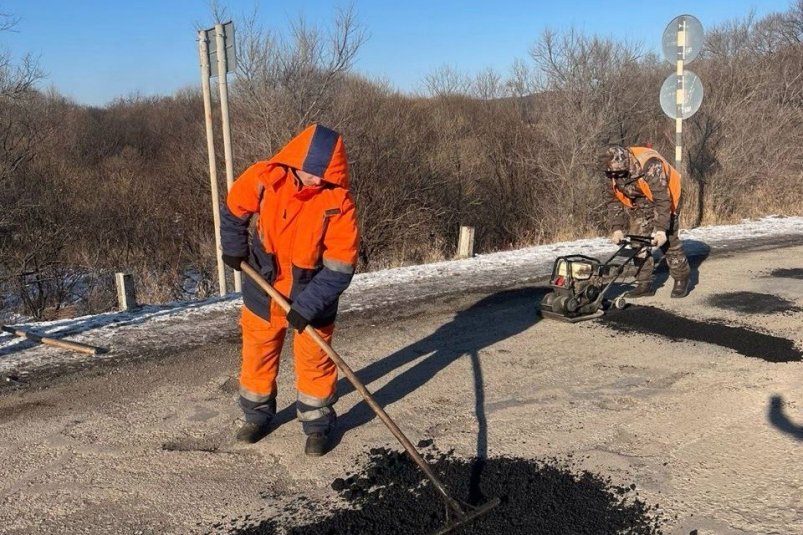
x=391, y=495
x=788, y=273
x=753, y=303
x=650, y=320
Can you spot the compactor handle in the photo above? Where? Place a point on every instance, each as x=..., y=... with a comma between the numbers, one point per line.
x=644, y=241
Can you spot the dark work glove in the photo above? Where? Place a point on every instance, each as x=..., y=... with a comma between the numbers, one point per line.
x=298, y=321
x=234, y=261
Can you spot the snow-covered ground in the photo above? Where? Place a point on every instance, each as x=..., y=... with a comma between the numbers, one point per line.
x=185, y=324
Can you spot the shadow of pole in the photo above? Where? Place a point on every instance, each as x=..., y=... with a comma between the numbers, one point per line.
x=782, y=422
x=475, y=494
x=490, y=320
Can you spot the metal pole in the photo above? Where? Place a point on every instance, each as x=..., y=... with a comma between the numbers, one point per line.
x=203, y=51
x=224, y=112
x=680, y=95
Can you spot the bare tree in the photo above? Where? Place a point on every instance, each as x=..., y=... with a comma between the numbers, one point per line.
x=590, y=95
x=17, y=82
x=447, y=81
x=283, y=85
x=20, y=129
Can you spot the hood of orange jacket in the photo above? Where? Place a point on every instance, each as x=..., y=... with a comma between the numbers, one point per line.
x=316, y=150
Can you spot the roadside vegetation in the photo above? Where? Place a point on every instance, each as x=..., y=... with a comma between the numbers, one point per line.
x=88, y=191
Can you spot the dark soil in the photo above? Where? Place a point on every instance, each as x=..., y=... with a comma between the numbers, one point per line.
x=650, y=320
x=753, y=303
x=788, y=273
x=391, y=495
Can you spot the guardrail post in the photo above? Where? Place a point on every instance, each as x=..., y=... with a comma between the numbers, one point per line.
x=465, y=247
x=126, y=294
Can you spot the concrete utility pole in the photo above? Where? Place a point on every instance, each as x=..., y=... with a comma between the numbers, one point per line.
x=203, y=50
x=224, y=112
x=216, y=47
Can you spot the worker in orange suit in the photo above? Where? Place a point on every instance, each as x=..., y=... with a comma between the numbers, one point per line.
x=305, y=245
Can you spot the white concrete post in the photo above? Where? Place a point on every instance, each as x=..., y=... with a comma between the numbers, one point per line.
x=126, y=294
x=465, y=247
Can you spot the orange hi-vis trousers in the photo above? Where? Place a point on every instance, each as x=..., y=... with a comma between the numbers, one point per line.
x=316, y=373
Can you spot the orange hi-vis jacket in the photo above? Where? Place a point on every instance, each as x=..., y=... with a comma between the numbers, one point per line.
x=306, y=237
x=643, y=155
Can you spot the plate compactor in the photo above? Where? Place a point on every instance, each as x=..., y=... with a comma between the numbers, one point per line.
x=580, y=283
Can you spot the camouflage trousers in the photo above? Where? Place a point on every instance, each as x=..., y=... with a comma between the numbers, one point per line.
x=641, y=223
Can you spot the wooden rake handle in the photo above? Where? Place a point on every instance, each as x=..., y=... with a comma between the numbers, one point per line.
x=64, y=344
x=367, y=396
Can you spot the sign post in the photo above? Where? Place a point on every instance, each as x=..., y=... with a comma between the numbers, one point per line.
x=682, y=92
x=203, y=50
x=217, y=49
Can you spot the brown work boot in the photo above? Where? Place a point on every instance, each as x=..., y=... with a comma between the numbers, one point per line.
x=642, y=289
x=316, y=444
x=681, y=288
x=252, y=432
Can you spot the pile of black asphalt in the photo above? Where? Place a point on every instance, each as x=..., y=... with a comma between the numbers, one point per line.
x=788, y=273
x=390, y=495
x=753, y=303
x=750, y=343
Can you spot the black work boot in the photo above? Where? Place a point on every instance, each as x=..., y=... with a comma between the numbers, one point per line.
x=642, y=289
x=252, y=432
x=681, y=288
x=316, y=444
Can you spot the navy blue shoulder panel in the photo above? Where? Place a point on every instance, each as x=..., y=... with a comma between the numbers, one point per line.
x=320, y=152
x=233, y=233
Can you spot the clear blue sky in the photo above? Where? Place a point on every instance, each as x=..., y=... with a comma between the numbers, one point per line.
x=96, y=50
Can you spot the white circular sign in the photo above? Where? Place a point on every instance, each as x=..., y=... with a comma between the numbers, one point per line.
x=690, y=98
x=682, y=39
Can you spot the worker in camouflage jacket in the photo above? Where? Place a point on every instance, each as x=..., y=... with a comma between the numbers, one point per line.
x=645, y=192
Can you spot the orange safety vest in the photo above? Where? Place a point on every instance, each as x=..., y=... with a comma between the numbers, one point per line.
x=643, y=154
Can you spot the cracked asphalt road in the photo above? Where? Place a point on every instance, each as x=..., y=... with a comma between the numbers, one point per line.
x=144, y=444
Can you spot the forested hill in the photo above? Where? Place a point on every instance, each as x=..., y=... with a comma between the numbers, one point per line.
x=89, y=191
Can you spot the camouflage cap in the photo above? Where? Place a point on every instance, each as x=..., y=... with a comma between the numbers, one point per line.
x=617, y=158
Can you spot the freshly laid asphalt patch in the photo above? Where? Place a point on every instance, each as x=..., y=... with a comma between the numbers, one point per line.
x=788, y=273
x=392, y=496
x=753, y=303
x=650, y=320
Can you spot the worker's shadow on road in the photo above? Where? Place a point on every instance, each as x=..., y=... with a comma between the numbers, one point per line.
x=781, y=421
x=490, y=320
x=696, y=251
